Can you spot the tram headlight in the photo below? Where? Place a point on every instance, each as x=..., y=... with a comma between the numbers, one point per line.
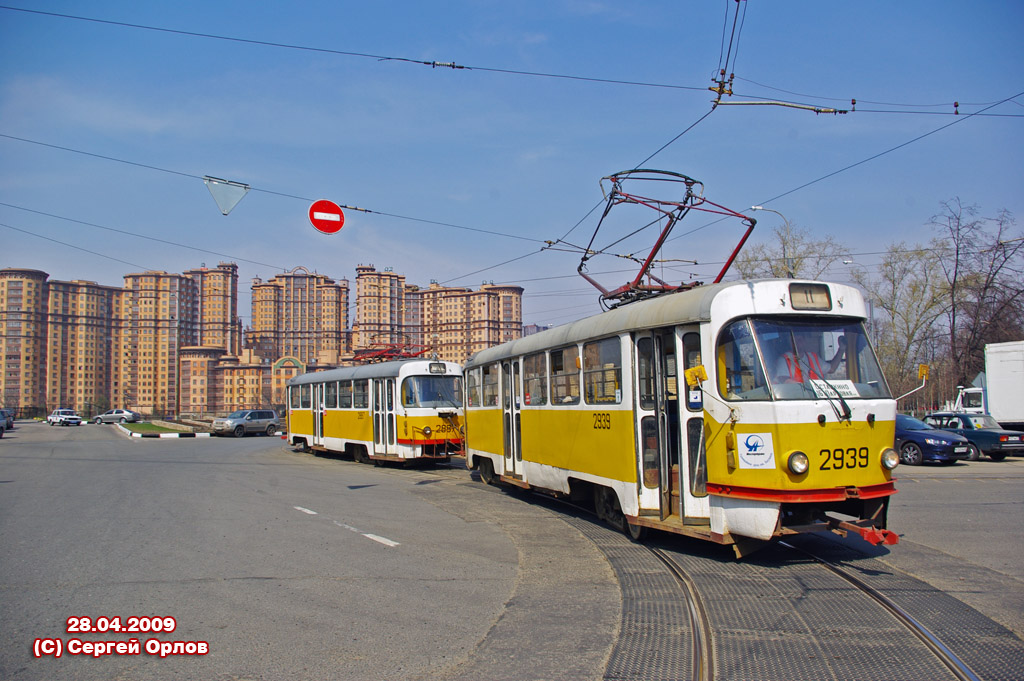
x=798, y=463
x=890, y=459
x=427, y=431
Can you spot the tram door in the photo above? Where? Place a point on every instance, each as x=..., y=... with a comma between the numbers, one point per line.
x=693, y=476
x=384, y=417
x=318, y=413
x=657, y=419
x=510, y=405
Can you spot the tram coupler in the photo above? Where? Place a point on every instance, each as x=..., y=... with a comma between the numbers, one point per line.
x=871, y=534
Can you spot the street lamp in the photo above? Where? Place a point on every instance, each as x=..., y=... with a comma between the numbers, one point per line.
x=785, y=258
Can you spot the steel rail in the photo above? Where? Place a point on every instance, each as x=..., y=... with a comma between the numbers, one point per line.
x=702, y=665
x=948, y=658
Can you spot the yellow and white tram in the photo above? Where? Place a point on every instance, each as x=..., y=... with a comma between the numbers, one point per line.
x=392, y=411
x=735, y=412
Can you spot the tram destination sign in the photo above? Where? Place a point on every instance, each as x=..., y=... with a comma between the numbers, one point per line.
x=326, y=216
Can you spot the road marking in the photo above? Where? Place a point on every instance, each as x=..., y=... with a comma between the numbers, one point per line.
x=304, y=510
x=375, y=537
x=383, y=540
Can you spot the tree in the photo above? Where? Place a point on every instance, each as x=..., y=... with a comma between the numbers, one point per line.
x=793, y=253
x=982, y=261
x=909, y=290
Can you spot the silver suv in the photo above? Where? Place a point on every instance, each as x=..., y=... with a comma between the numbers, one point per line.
x=244, y=421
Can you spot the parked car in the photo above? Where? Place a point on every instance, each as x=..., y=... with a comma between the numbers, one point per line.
x=64, y=417
x=244, y=421
x=7, y=418
x=985, y=434
x=118, y=416
x=917, y=442
x=3, y=427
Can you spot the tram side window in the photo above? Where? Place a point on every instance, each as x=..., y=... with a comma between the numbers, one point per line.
x=293, y=401
x=305, y=401
x=345, y=394
x=740, y=376
x=490, y=385
x=331, y=395
x=565, y=375
x=473, y=388
x=602, y=371
x=535, y=379
x=360, y=394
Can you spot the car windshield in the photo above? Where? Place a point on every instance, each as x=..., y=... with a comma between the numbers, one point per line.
x=237, y=414
x=910, y=423
x=797, y=358
x=438, y=392
x=983, y=421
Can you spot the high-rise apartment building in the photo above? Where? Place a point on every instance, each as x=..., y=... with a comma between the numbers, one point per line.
x=381, y=315
x=163, y=318
x=299, y=314
x=217, y=295
x=84, y=336
x=458, y=322
x=23, y=299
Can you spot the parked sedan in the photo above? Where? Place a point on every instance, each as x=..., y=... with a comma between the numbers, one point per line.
x=118, y=416
x=7, y=417
x=917, y=442
x=64, y=417
x=985, y=434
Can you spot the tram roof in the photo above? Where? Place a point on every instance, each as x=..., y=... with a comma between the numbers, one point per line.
x=377, y=370
x=693, y=305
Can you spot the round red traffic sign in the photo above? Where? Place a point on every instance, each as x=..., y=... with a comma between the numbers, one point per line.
x=326, y=216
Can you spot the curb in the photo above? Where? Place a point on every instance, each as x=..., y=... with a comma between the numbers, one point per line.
x=161, y=435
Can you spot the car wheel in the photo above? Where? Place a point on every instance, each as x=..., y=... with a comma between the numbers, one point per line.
x=997, y=457
x=271, y=429
x=123, y=420
x=973, y=453
x=911, y=454
x=97, y=420
x=239, y=431
x=49, y=423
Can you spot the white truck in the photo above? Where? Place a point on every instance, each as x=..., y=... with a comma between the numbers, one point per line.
x=1002, y=391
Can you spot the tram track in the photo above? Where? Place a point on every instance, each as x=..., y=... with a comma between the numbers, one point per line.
x=702, y=666
x=947, y=657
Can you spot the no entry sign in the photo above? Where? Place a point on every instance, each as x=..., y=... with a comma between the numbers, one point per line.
x=326, y=216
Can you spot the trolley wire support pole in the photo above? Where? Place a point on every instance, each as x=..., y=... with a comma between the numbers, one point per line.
x=671, y=211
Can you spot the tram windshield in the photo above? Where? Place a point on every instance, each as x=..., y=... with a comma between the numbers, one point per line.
x=437, y=392
x=782, y=358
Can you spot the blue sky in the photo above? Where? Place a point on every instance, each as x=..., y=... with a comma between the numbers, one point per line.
x=512, y=159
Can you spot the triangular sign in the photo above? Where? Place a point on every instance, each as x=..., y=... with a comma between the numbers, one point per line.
x=226, y=193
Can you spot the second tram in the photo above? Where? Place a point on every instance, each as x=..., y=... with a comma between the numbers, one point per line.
x=400, y=411
x=735, y=412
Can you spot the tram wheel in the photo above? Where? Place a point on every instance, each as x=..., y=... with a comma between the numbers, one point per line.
x=487, y=471
x=973, y=453
x=911, y=454
x=636, y=532
x=606, y=503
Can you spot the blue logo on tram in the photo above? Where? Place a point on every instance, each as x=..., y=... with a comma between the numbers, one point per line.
x=753, y=443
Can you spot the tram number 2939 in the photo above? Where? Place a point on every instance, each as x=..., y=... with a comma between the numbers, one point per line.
x=602, y=421
x=838, y=459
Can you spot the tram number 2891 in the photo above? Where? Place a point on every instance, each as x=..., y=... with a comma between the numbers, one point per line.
x=838, y=459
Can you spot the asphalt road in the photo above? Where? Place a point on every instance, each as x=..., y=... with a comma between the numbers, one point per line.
x=292, y=566
x=286, y=565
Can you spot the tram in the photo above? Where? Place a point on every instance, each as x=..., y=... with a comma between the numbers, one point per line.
x=400, y=411
x=734, y=412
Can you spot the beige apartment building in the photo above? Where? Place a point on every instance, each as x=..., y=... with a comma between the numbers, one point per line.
x=217, y=297
x=458, y=322
x=23, y=324
x=299, y=314
x=171, y=343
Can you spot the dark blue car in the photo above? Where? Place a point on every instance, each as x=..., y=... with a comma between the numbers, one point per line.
x=918, y=442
